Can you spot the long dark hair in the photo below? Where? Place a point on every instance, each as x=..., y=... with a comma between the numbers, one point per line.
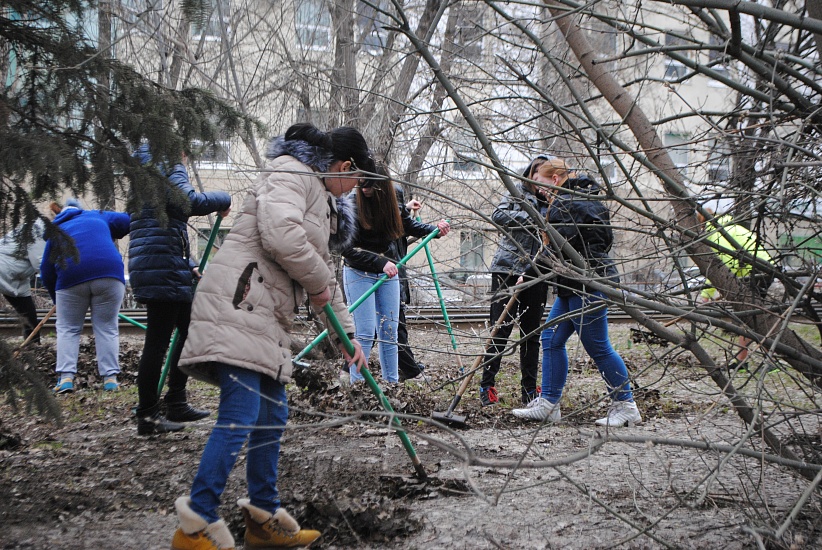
x=380, y=212
x=344, y=143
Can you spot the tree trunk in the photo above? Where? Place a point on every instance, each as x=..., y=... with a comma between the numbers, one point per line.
x=344, y=95
x=649, y=141
x=433, y=129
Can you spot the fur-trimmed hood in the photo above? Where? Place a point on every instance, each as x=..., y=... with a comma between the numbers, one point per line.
x=317, y=157
x=345, y=232
x=276, y=252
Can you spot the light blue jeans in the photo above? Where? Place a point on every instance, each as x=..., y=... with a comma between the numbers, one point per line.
x=253, y=406
x=378, y=314
x=104, y=296
x=592, y=329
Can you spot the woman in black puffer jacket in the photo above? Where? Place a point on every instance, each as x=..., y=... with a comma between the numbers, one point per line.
x=161, y=272
x=578, y=215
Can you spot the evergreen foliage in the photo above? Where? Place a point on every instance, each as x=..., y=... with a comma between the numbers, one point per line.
x=70, y=115
x=70, y=119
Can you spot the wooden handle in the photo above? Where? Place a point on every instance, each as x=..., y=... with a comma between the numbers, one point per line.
x=35, y=331
x=467, y=380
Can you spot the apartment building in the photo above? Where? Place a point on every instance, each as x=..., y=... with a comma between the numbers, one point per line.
x=509, y=70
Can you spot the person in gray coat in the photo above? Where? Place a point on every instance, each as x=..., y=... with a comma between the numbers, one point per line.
x=17, y=266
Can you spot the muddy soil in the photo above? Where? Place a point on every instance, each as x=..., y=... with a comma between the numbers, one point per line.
x=92, y=483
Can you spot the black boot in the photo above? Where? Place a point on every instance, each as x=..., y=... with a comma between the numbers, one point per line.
x=150, y=421
x=178, y=409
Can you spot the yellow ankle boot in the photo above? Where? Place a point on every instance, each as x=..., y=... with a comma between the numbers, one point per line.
x=279, y=530
x=195, y=533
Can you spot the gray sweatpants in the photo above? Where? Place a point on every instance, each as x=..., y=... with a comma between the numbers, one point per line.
x=105, y=297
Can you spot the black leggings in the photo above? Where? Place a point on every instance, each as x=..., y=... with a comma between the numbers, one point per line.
x=530, y=306
x=162, y=318
x=25, y=308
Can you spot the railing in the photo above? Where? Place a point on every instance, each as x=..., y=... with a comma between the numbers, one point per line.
x=418, y=316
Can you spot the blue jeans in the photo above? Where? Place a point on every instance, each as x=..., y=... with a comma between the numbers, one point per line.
x=253, y=406
x=592, y=329
x=104, y=296
x=379, y=314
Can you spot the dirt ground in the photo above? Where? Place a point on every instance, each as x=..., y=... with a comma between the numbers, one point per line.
x=92, y=483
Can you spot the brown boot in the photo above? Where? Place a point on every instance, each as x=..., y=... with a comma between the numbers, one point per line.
x=279, y=530
x=195, y=533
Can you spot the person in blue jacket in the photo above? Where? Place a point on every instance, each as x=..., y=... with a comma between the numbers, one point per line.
x=81, y=271
x=161, y=272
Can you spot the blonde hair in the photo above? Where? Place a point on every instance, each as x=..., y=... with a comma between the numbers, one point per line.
x=555, y=167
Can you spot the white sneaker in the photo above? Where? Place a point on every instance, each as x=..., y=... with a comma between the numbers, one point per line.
x=345, y=378
x=539, y=409
x=621, y=413
x=421, y=378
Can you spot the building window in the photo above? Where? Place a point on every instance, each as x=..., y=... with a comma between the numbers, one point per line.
x=371, y=25
x=716, y=55
x=471, y=251
x=468, y=39
x=213, y=156
x=719, y=161
x=465, y=157
x=211, y=27
x=312, y=21
x=678, y=147
x=675, y=70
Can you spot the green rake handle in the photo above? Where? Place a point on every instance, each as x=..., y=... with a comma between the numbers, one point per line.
x=349, y=347
x=365, y=296
x=174, y=340
x=444, y=311
x=128, y=319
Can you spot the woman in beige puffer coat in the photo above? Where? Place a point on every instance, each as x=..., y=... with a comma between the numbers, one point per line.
x=240, y=323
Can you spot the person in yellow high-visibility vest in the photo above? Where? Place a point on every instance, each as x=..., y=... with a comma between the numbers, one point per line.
x=750, y=274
